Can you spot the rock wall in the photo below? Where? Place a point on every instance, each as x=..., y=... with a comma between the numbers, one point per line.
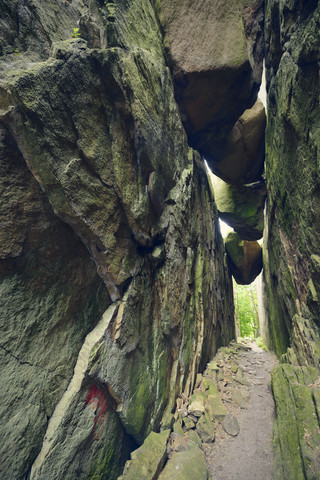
x=291, y=235
x=292, y=170
x=114, y=287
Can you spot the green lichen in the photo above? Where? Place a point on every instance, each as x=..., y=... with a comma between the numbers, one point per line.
x=297, y=437
x=104, y=464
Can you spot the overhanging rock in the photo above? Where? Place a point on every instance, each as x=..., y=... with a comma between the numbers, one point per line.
x=215, y=84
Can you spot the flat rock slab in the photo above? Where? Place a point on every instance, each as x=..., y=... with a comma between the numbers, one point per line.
x=205, y=428
x=147, y=461
x=230, y=425
x=188, y=465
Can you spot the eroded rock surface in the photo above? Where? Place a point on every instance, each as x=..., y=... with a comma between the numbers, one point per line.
x=245, y=258
x=240, y=157
x=98, y=237
x=241, y=207
x=292, y=170
x=297, y=399
x=291, y=251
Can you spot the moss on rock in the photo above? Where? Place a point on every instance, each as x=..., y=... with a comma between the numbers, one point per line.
x=296, y=437
x=244, y=258
x=241, y=207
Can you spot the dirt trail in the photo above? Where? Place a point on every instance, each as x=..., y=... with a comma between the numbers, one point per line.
x=249, y=455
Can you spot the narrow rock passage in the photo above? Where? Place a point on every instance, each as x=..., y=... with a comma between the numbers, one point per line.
x=248, y=455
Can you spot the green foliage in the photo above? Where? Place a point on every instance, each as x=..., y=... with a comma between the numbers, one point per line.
x=75, y=33
x=260, y=343
x=246, y=310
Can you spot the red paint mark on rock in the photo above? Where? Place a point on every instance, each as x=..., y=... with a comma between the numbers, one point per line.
x=96, y=401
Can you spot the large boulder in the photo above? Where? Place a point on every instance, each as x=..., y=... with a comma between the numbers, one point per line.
x=186, y=465
x=241, y=207
x=239, y=159
x=213, y=84
x=244, y=257
x=147, y=461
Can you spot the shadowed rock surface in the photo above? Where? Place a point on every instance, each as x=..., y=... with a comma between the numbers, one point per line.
x=244, y=258
x=292, y=143
x=109, y=227
x=241, y=207
x=291, y=251
x=213, y=86
x=240, y=157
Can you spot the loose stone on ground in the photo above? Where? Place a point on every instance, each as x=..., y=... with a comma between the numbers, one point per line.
x=223, y=430
x=248, y=454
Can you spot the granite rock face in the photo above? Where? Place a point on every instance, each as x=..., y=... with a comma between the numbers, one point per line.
x=291, y=250
x=292, y=171
x=108, y=226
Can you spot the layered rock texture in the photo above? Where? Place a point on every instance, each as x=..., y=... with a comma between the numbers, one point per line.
x=182, y=454
x=291, y=253
x=114, y=288
x=292, y=170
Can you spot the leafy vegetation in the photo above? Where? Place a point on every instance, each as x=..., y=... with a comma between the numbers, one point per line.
x=75, y=33
x=246, y=310
x=260, y=343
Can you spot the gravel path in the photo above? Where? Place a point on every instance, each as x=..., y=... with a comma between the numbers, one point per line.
x=249, y=455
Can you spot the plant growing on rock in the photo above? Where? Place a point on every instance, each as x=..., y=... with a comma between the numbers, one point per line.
x=75, y=33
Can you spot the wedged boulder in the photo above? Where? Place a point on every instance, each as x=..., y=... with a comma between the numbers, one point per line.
x=98, y=178
x=239, y=159
x=215, y=84
x=147, y=461
x=241, y=207
x=244, y=258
